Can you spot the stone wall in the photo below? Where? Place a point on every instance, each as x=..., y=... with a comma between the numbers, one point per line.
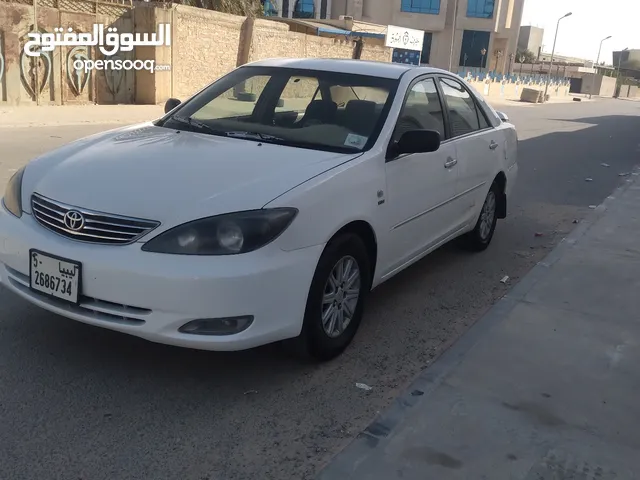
x=51, y=78
x=205, y=45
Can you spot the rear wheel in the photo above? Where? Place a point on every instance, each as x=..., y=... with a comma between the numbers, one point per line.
x=480, y=237
x=336, y=300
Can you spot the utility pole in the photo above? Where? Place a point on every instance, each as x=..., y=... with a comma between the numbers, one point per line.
x=453, y=33
x=593, y=81
x=618, y=75
x=553, y=51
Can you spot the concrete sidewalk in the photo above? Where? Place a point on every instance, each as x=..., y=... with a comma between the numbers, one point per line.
x=33, y=116
x=545, y=386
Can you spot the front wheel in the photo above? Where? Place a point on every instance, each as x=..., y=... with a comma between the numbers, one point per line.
x=480, y=237
x=336, y=300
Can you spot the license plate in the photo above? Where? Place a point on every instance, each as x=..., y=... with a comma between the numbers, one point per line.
x=55, y=276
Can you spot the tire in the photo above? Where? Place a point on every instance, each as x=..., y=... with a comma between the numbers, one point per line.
x=314, y=342
x=480, y=237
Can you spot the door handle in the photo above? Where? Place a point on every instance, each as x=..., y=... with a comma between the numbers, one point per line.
x=493, y=145
x=450, y=162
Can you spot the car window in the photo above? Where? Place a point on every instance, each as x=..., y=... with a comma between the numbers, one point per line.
x=297, y=107
x=342, y=94
x=298, y=93
x=421, y=110
x=483, y=120
x=463, y=114
x=237, y=101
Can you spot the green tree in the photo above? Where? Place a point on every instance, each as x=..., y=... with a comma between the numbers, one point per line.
x=528, y=55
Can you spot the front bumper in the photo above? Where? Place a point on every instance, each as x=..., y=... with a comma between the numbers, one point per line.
x=152, y=295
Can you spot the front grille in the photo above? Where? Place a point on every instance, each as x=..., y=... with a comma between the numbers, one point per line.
x=88, y=225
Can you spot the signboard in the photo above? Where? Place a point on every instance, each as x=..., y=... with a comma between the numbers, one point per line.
x=405, y=38
x=401, y=55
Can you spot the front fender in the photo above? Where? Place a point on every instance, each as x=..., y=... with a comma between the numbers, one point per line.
x=330, y=201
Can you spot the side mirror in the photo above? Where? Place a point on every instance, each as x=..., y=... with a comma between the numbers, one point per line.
x=503, y=116
x=171, y=104
x=418, y=141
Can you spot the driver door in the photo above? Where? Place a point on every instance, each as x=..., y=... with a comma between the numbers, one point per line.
x=420, y=187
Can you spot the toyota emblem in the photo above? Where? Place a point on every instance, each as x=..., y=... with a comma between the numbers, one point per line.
x=74, y=220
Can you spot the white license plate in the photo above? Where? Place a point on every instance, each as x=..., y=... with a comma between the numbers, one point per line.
x=54, y=276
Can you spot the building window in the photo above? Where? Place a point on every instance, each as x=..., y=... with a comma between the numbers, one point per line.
x=421, y=6
x=401, y=55
x=304, y=9
x=426, y=48
x=475, y=46
x=480, y=8
x=270, y=9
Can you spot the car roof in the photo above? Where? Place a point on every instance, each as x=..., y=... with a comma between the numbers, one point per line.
x=355, y=67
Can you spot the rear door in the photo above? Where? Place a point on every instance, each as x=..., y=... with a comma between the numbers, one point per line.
x=477, y=146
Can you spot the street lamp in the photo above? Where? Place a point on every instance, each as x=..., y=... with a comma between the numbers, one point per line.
x=620, y=59
x=483, y=52
x=553, y=51
x=618, y=75
x=593, y=82
x=522, y=59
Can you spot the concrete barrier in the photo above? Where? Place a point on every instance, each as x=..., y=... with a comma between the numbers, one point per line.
x=532, y=95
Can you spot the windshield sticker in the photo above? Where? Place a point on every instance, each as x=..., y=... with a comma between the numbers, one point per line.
x=357, y=141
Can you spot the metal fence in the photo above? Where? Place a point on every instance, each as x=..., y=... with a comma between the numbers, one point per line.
x=480, y=74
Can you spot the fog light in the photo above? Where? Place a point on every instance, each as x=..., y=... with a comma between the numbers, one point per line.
x=217, y=326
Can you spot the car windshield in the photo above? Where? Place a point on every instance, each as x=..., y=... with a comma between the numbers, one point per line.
x=313, y=109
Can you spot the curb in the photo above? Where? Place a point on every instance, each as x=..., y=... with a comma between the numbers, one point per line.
x=365, y=445
x=68, y=124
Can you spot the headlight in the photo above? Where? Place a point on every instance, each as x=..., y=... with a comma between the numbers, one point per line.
x=228, y=234
x=12, y=200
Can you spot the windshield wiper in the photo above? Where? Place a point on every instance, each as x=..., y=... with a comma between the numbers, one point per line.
x=254, y=136
x=233, y=134
x=199, y=125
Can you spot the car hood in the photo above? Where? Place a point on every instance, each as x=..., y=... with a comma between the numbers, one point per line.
x=161, y=174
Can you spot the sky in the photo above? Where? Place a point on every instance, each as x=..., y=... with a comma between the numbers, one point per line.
x=592, y=20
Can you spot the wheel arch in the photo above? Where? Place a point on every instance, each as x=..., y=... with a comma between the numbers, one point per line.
x=501, y=181
x=367, y=234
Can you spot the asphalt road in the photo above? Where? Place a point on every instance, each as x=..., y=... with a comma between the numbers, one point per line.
x=77, y=402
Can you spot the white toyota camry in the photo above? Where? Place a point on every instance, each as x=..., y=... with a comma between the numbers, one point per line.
x=262, y=209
